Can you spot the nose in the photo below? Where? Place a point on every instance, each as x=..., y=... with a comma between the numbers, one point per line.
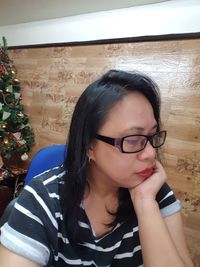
x=148, y=152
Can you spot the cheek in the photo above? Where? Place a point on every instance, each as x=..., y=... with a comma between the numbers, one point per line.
x=115, y=164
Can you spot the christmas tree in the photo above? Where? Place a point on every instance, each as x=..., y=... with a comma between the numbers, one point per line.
x=16, y=134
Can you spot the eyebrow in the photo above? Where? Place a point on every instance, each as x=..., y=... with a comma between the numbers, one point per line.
x=141, y=128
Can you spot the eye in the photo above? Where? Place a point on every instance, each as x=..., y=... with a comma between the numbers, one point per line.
x=134, y=143
x=132, y=140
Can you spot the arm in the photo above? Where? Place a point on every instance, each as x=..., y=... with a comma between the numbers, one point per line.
x=161, y=238
x=161, y=244
x=174, y=225
x=28, y=230
x=8, y=258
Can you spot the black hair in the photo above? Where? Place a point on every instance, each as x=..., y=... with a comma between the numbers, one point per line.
x=89, y=115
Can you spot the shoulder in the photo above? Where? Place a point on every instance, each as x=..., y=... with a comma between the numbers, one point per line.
x=36, y=217
x=47, y=181
x=43, y=192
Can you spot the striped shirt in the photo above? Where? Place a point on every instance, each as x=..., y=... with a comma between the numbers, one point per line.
x=36, y=229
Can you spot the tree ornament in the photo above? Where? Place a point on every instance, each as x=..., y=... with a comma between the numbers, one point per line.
x=20, y=115
x=18, y=145
x=21, y=142
x=1, y=175
x=6, y=115
x=17, y=135
x=17, y=95
x=1, y=162
x=9, y=89
x=24, y=156
x=2, y=69
x=22, y=126
x=11, y=136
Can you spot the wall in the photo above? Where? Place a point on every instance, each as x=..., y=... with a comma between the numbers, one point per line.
x=53, y=78
x=170, y=17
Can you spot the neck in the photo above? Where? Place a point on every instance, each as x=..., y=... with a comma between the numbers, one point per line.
x=100, y=186
x=100, y=192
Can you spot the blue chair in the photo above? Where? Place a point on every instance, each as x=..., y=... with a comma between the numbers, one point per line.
x=45, y=159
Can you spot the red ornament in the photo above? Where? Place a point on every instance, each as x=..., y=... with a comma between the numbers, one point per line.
x=1, y=174
x=2, y=70
x=11, y=135
x=17, y=145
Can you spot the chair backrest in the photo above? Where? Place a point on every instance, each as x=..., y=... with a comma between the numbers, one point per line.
x=45, y=159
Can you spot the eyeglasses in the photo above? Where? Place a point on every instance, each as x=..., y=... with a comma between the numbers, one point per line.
x=135, y=143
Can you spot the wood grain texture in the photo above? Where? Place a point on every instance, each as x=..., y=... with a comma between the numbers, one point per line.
x=53, y=78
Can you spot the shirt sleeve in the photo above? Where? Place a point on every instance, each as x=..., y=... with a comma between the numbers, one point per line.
x=167, y=201
x=31, y=224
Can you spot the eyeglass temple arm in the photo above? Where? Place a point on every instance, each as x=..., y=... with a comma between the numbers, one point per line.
x=106, y=139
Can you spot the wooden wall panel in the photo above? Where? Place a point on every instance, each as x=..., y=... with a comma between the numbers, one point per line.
x=53, y=78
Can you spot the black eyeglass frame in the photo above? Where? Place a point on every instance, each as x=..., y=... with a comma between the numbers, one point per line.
x=118, y=142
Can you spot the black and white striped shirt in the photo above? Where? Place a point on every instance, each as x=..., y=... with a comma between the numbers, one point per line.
x=36, y=229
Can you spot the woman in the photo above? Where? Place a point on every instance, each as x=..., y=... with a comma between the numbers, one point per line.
x=110, y=204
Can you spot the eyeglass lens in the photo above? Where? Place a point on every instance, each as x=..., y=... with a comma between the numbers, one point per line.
x=136, y=142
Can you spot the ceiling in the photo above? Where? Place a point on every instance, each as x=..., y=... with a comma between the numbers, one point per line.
x=22, y=11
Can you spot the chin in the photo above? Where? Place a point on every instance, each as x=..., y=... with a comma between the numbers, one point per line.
x=130, y=184
x=134, y=183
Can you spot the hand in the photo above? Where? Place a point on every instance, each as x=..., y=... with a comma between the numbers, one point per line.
x=149, y=188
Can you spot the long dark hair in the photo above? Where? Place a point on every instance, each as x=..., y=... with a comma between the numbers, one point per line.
x=89, y=115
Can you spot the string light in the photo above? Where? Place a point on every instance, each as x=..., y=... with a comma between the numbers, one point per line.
x=15, y=80
x=5, y=140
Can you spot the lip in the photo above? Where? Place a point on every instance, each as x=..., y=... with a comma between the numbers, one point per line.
x=145, y=173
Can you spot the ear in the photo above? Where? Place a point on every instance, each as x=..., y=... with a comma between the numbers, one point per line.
x=90, y=152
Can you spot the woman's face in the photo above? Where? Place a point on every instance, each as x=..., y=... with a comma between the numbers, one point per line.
x=132, y=115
